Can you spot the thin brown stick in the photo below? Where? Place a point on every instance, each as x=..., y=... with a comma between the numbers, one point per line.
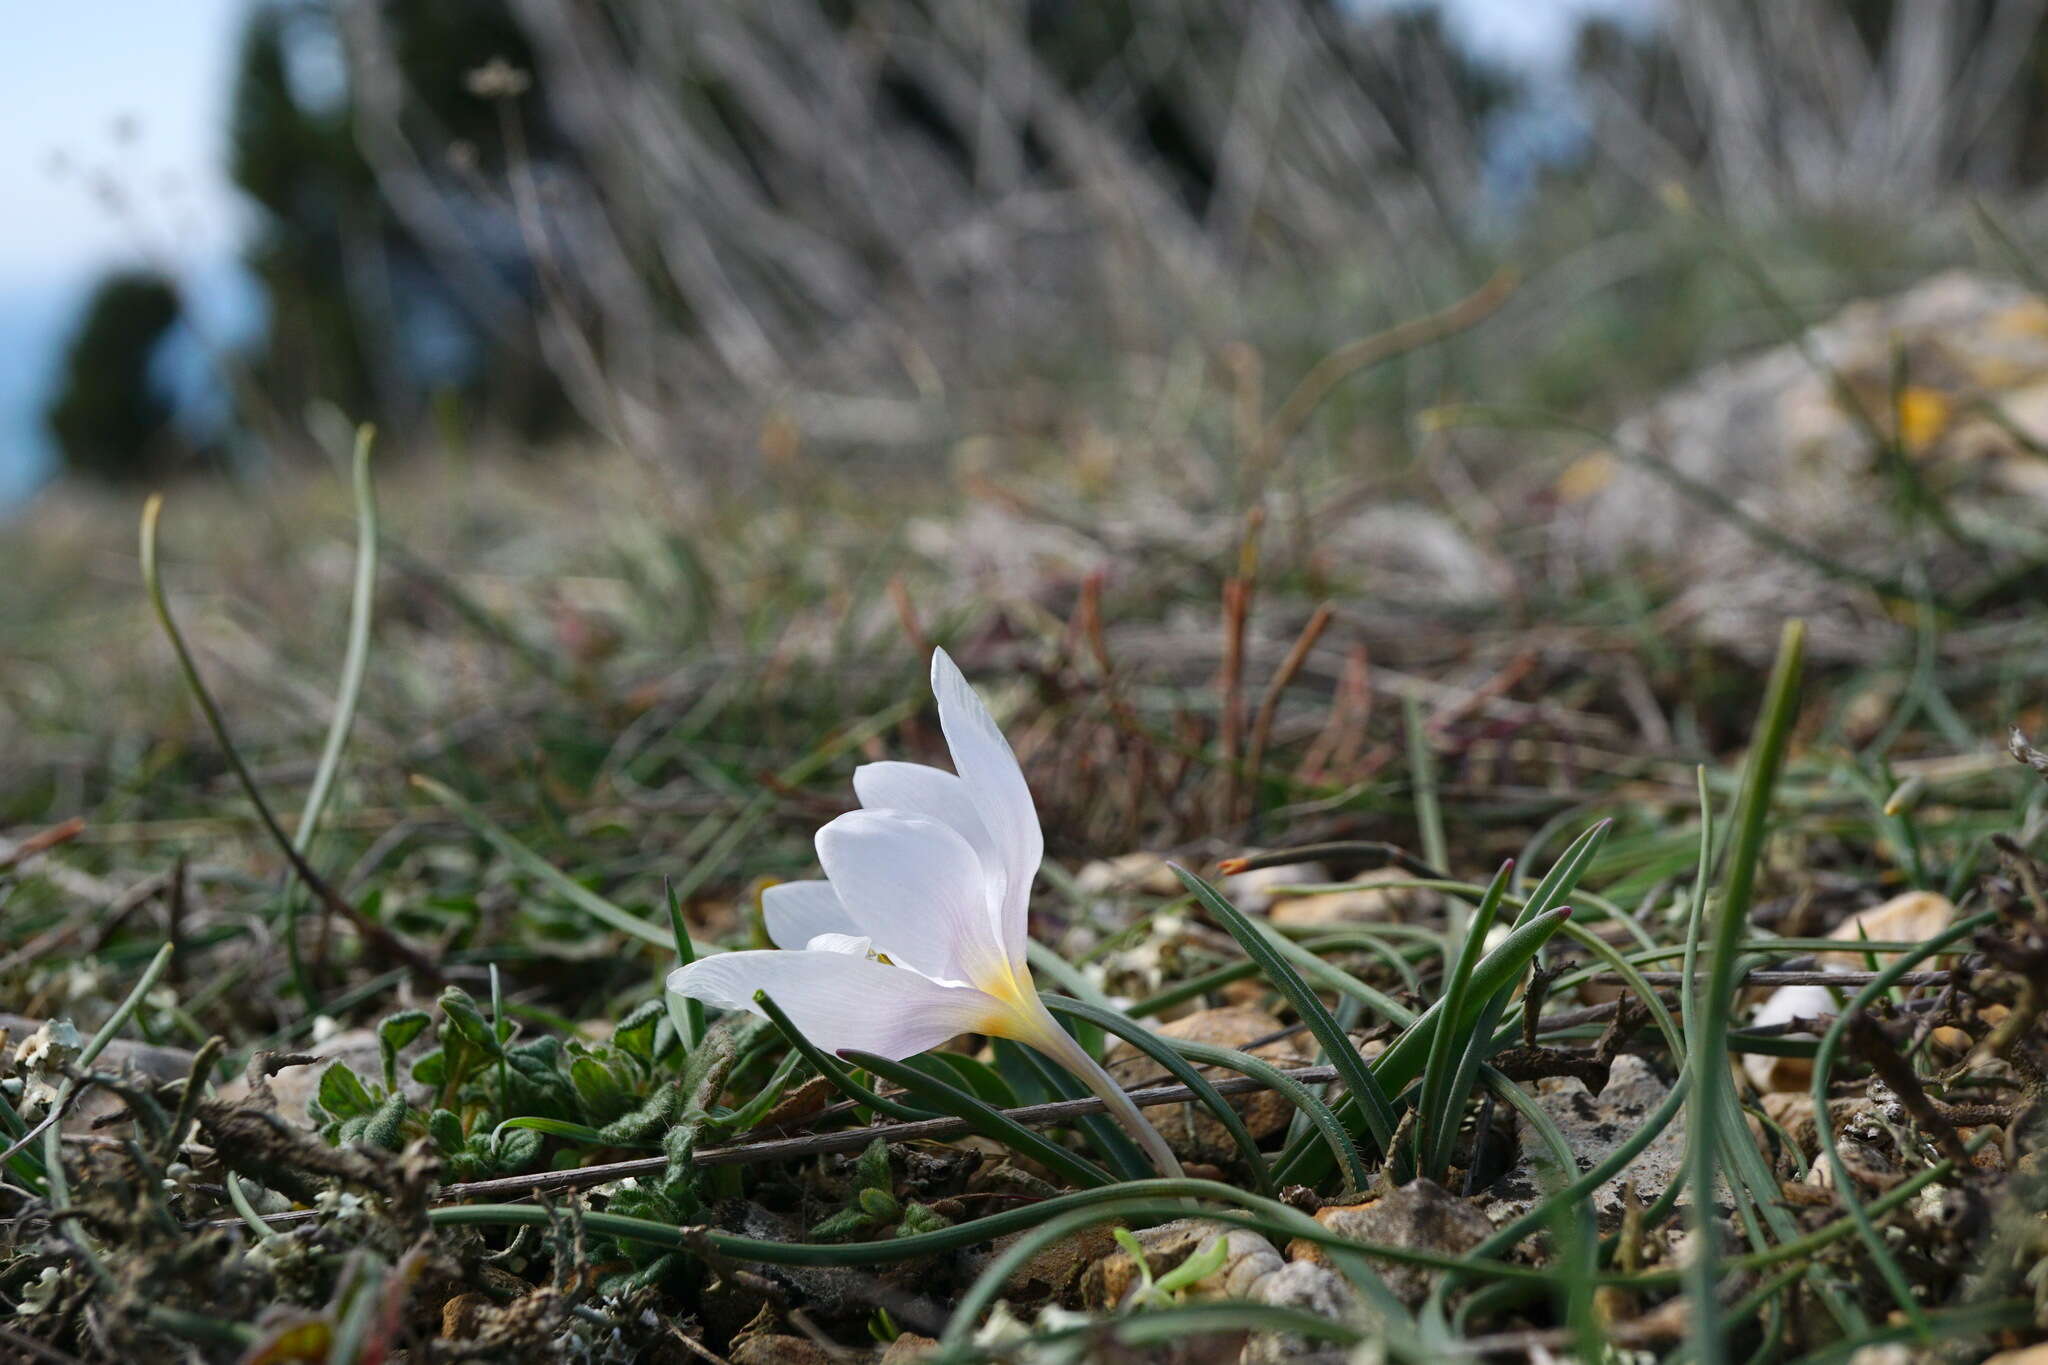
x=1145, y=771
x=1335, y=750
x=1283, y=677
x=1230, y=691
x=1496, y=686
x=1768, y=978
x=42, y=842
x=906, y=616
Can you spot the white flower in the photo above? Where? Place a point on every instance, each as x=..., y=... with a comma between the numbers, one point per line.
x=918, y=932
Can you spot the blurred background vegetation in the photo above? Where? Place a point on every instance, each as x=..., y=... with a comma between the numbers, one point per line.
x=870, y=222
x=771, y=331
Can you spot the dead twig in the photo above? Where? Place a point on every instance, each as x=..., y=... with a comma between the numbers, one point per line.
x=1237, y=593
x=42, y=842
x=1283, y=678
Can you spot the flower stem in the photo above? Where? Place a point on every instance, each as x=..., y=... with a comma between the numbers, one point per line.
x=1056, y=1043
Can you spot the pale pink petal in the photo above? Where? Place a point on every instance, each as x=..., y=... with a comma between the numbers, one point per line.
x=988, y=769
x=839, y=1001
x=797, y=912
x=914, y=886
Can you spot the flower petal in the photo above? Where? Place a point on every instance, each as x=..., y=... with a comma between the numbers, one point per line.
x=914, y=886
x=988, y=768
x=934, y=793
x=797, y=912
x=839, y=1001
x=860, y=945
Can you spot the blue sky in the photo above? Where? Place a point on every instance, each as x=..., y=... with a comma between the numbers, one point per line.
x=74, y=74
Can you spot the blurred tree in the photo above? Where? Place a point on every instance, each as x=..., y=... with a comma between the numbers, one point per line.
x=626, y=204
x=110, y=418
x=362, y=311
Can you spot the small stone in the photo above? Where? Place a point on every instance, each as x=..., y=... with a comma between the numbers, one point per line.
x=466, y=1316
x=1055, y=1273
x=1865, y=1164
x=1314, y=1289
x=356, y=1048
x=1912, y=917
x=1420, y=1216
x=907, y=1348
x=1375, y=896
x=2025, y=1355
x=1133, y=873
x=1593, y=1126
x=775, y=1348
x=1252, y=892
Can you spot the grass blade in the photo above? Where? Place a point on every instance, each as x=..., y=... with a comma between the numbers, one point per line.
x=1442, y=1104
x=1429, y=815
x=1403, y=1061
x=1707, y=1019
x=1358, y=1078
x=383, y=938
x=355, y=662
x=356, y=658
x=1171, y=1061
x=592, y=904
x=690, y=1024
x=1319, y=1114
x=1116, y=1150
x=833, y=1070
x=949, y=1099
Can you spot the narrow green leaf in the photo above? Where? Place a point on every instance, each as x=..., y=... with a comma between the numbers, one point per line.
x=686, y=1011
x=949, y=1099
x=582, y=897
x=1351, y=1068
x=1320, y=1116
x=561, y=1128
x=749, y=1115
x=1707, y=1015
x=1441, y=1106
x=1117, y=1151
x=1429, y=816
x=1403, y=1060
x=1157, y=1048
x=1199, y=1266
x=986, y=1083
x=832, y=1070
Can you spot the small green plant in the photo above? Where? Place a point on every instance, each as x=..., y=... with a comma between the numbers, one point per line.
x=1168, y=1290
